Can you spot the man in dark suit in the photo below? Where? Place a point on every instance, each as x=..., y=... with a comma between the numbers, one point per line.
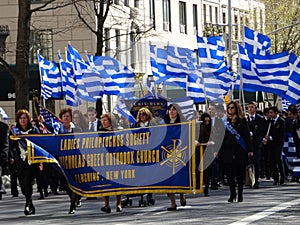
x=292, y=112
x=255, y=124
x=3, y=154
x=276, y=140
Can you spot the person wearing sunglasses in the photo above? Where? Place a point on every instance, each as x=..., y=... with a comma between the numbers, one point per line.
x=235, y=150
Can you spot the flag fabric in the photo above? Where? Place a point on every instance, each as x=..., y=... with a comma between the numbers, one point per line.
x=268, y=73
x=256, y=43
x=122, y=111
x=186, y=105
x=293, y=92
x=195, y=87
x=211, y=51
x=117, y=78
x=49, y=117
x=150, y=86
x=51, y=80
x=217, y=77
x=85, y=91
x=158, y=61
x=3, y=114
x=68, y=82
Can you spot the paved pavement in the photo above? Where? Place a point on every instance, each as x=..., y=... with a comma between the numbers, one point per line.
x=267, y=205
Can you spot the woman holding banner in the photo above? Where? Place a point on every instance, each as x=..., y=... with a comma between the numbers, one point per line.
x=67, y=127
x=236, y=148
x=174, y=115
x=106, y=125
x=26, y=172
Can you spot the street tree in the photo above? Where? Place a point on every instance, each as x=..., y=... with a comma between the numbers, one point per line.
x=285, y=15
x=20, y=72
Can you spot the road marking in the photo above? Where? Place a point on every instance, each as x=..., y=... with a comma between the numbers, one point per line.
x=266, y=212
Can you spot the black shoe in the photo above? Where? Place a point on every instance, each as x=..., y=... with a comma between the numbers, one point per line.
x=240, y=199
x=46, y=193
x=78, y=203
x=27, y=211
x=106, y=209
x=231, y=199
x=72, y=210
x=172, y=208
x=183, y=203
x=255, y=186
x=15, y=196
x=281, y=182
x=118, y=209
x=275, y=182
x=150, y=201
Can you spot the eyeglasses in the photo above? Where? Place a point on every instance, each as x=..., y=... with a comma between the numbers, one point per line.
x=231, y=107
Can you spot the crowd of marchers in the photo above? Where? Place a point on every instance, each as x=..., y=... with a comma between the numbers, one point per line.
x=231, y=137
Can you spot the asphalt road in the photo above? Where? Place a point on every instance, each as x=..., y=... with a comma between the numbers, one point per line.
x=267, y=205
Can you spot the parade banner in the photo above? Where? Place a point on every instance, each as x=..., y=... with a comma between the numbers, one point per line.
x=158, y=159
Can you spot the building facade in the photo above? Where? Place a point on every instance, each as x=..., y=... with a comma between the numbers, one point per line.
x=129, y=28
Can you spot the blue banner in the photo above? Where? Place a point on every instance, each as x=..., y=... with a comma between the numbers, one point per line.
x=158, y=159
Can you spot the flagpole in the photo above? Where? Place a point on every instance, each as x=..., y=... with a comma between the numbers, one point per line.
x=41, y=80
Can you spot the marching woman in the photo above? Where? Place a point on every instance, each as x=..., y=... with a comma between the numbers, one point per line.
x=26, y=172
x=67, y=127
x=174, y=115
x=235, y=150
x=106, y=125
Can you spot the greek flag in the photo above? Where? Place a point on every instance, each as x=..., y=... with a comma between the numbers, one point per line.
x=216, y=75
x=3, y=114
x=68, y=82
x=186, y=105
x=211, y=51
x=150, y=86
x=122, y=111
x=85, y=91
x=268, y=73
x=195, y=87
x=293, y=92
x=51, y=79
x=256, y=43
x=117, y=78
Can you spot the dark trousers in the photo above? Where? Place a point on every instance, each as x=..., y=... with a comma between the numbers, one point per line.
x=235, y=173
x=13, y=180
x=26, y=176
x=276, y=164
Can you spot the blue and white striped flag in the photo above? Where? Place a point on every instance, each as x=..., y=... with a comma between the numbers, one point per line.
x=216, y=75
x=256, y=43
x=186, y=105
x=68, y=82
x=211, y=51
x=150, y=86
x=195, y=87
x=293, y=92
x=86, y=89
x=51, y=80
x=159, y=61
x=117, y=78
x=268, y=73
x=122, y=111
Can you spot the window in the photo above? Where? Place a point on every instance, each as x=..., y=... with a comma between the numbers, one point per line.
x=182, y=17
x=126, y=2
x=216, y=15
x=195, y=19
x=210, y=14
x=107, y=42
x=118, y=43
x=204, y=14
x=136, y=3
x=152, y=12
x=166, y=15
x=41, y=40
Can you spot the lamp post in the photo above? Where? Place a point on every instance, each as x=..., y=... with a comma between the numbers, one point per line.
x=4, y=33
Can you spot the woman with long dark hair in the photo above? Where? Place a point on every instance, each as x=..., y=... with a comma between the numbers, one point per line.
x=26, y=172
x=235, y=150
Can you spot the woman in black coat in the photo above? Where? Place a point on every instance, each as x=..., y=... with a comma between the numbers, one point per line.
x=26, y=172
x=236, y=148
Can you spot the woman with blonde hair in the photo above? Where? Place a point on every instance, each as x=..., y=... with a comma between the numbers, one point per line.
x=144, y=118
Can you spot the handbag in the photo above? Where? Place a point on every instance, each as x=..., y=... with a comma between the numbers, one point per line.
x=250, y=175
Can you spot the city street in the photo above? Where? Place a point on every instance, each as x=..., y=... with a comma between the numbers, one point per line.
x=267, y=205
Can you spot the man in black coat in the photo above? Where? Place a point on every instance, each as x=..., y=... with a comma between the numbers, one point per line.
x=3, y=154
x=255, y=124
x=276, y=141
